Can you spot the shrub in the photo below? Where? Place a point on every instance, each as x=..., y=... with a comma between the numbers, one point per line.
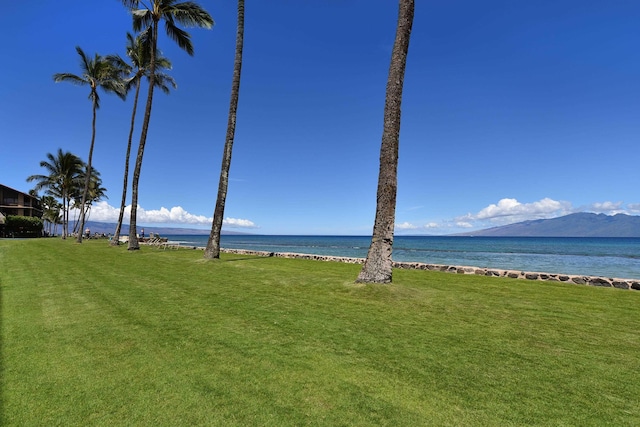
x=23, y=226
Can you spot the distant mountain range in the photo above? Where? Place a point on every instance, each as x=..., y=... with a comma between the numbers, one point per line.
x=574, y=225
x=109, y=228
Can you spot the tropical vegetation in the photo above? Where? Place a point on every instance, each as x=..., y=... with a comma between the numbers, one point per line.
x=377, y=267
x=146, y=19
x=62, y=181
x=23, y=226
x=139, y=52
x=213, y=245
x=97, y=72
x=51, y=215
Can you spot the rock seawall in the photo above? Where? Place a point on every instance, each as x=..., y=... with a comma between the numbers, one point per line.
x=609, y=282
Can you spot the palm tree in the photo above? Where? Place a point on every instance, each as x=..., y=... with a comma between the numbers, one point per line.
x=147, y=20
x=139, y=52
x=377, y=267
x=51, y=212
x=97, y=72
x=213, y=245
x=63, y=172
x=95, y=193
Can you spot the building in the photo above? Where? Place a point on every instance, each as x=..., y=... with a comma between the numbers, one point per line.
x=14, y=202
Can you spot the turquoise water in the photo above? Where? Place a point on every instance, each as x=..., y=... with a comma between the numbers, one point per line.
x=609, y=257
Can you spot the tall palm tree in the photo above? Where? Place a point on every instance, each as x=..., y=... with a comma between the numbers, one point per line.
x=139, y=53
x=97, y=72
x=213, y=245
x=187, y=13
x=377, y=267
x=63, y=169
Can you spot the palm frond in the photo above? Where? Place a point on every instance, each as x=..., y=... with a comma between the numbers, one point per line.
x=117, y=87
x=163, y=81
x=130, y=3
x=142, y=19
x=181, y=37
x=162, y=62
x=71, y=78
x=190, y=14
x=122, y=67
x=85, y=62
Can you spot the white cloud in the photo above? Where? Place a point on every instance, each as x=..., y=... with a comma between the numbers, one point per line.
x=176, y=215
x=633, y=208
x=238, y=223
x=508, y=211
x=609, y=208
x=464, y=224
x=409, y=226
x=406, y=226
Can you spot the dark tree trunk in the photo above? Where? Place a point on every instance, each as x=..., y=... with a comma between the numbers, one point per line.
x=88, y=177
x=377, y=267
x=213, y=245
x=133, y=237
x=116, y=236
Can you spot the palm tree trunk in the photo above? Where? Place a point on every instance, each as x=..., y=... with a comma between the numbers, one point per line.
x=116, y=236
x=213, y=245
x=377, y=267
x=88, y=177
x=64, y=215
x=65, y=226
x=133, y=238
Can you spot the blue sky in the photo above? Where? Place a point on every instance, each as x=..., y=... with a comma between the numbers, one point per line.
x=512, y=110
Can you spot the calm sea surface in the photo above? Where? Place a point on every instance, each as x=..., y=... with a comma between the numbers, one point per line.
x=610, y=257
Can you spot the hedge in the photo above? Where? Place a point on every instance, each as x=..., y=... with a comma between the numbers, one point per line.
x=23, y=226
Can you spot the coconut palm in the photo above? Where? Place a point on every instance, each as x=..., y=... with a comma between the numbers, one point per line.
x=147, y=20
x=377, y=267
x=139, y=53
x=213, y=245
x=63, y=169
x=95, y=193
x=97, y=72
x=51, y=212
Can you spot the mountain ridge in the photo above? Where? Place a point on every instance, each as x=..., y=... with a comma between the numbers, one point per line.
x=110, y=227
x=582, y=224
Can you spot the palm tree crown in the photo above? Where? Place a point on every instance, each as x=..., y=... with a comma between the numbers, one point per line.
x=188, y=14
x=64, y=173
x=97, y=72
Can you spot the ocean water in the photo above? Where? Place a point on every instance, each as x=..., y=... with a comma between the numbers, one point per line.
x=609, y=257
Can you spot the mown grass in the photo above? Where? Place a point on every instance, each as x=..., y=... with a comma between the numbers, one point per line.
x=93, y=335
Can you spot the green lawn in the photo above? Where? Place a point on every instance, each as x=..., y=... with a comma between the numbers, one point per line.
x=94, y=335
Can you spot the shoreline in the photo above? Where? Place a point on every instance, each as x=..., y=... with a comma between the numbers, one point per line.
x=602, y=281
